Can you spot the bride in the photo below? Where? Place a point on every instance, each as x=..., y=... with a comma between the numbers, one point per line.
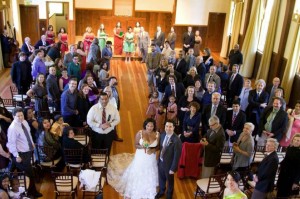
x=140, y=178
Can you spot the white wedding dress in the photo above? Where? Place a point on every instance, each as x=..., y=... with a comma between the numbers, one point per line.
x=140, y=178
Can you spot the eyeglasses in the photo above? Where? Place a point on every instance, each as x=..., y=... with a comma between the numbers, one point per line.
x=213, y=124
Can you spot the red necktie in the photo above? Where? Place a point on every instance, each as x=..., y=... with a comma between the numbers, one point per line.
x=103, y=116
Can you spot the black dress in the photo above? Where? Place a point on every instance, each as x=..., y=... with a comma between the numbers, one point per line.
x=289, y=172
x=83, y=107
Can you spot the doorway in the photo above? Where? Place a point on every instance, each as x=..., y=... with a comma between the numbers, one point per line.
x=215, y=30
x=30, y=22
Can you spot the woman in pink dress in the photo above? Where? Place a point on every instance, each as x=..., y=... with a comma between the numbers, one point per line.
x=88, y=38
x=63, y=39
x=294, y=125
x=83, y=53
x=50, y=35
x=118, y=39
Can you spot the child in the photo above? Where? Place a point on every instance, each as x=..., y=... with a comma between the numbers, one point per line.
x=58, y=125
x=153, y=104
x=172, y=109
x=160, y=118
x=16, y=192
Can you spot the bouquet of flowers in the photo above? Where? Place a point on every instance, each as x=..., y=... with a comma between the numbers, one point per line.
x=145, y=145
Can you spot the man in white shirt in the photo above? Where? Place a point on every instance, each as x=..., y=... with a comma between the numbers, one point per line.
x=102, y=118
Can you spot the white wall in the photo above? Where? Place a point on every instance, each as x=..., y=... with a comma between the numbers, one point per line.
x=94, y=4
x=195, y=12
x=154, y=5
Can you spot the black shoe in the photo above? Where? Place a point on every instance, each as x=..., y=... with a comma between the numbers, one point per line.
x=118, y=139
x=159, y=195
x=38, y=195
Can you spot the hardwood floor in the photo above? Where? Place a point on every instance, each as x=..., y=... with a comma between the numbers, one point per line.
x=133, y=91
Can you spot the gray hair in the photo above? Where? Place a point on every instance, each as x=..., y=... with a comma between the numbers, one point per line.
x=260, y=81
x=214, y=119
x=251, y=125
x=274, y=141
x=216, y=93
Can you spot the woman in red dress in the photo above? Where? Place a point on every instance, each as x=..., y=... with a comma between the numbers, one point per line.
x=63, y=39
x=82, y=52
x=88, y=38
x=118, y=39
x=50, y=35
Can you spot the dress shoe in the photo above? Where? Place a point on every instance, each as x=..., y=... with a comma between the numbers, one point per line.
x=38, y=195
x=159, y=195
x=118, y=139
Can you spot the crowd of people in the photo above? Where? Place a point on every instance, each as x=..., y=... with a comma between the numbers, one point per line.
x=186, y=94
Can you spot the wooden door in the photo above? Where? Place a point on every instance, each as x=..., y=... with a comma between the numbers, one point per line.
x=30, y=22
x=215, y=30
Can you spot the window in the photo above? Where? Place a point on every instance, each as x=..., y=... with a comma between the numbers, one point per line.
x=265, y=25
x=56, y=8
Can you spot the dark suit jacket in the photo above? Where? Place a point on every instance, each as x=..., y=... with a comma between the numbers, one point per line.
x=255, y=102
x=189, y=40
x=40, y=43
x=268, y=89
x=237, y=125
x=181, y=67
x=221, y=113
x=172, y=152
x=20, y=69
x=236, y=86
x=25, y=50
x=201, y=70
x=279, y=123
x=212, y=152
x=159, y=41
x=179, y=89
x=266, y=173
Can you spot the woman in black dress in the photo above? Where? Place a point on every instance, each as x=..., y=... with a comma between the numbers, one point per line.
x=289, y=176
x=83, y=103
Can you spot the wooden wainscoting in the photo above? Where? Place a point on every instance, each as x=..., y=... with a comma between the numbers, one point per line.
x=182, y=29
x=43, y=25
x=71, y=31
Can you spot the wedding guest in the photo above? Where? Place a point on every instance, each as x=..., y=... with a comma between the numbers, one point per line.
x=232, y=190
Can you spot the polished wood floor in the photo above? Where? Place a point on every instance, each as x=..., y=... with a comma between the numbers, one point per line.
x=133, y=94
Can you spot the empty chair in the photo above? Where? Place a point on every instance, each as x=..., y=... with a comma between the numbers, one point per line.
x=73, y=158
x=65, y=184
x=81, y=135
x=210, y=187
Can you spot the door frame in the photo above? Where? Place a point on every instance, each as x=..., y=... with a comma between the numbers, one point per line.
x=38, y=19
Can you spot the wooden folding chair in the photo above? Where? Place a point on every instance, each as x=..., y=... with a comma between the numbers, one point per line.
x=99, y=160
x=65, y=184
x=94, y=192
x=210, y=187
x=73, y=159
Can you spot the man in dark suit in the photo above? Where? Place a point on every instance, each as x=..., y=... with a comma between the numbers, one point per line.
x=201, y=70
x=270, y=89
x=27, y=48
x=273, y=121
x=235, y=120
x=234, y=85
x=159, y=38
x=188, y=40
x=21, y=74
x=180, y=64
x=170, y=151
x=235, y=56
x=266, y=171
x=215, y=108
x=42, y=44
x=53, y=89
x=6, y=47
x=213, y=142
x=258, y=100
x=174, y=88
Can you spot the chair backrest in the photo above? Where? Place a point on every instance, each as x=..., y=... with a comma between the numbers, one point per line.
x=226, y=155
x=97, y=190
x=258, y=154
x=216, y=183
x=64, y=182
x=45, y=153
x=81, y=135
x=99, y=158
x=73, y=157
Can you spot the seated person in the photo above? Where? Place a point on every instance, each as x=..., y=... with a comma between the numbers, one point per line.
x=16, y=191
x=232, y=186
x=58, y=125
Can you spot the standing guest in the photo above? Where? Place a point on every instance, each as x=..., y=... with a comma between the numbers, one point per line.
x=159, y=38
x=289, y=176
x=102, y=118
x=198, y=42
x=161, y=83
x=82, y=54
x=191, y=77
x=191, y=123
x=293, y=125
x=21, y=74
x=4, y=186
x=235, y=85
x=160, y=118
x=235, y=56
x=279, y=93
x=88, y=38
x=68, y=58
x=199, y=90
x=170, y=151
x=53, y=89
x=38, y=65
x=21, y=146
x=63, y=80
x=58, y=66
x=212, y=76
x=180, y=64
x=50, y=35
x=266, y=171
x=213, y=142
x=111, y=99
x=112, y=82
x=144, y=43
x=201, y=70
x=39, y=92
x=188, y=40
x=245, y=94
x=103, y=75
x=174, y=88
x=74, y=68
x=167, y=50
x=42, y=44
x=27, y=48
x=128, y=46
x=208, y=59
x=54, y=51
x=32, y=121
x=243, y=149
x=190, y=58
x=69, y=103
x=172, y=71
x=270, y=89
x=4, y=153
x=107, y=54
x=224, y=76
x=83, y=103
x=5, y=47
x=171, y=38
x=232, y=190
x=172, y=109
x=152, y=105
x=102, y=36
x=136, y=31
x=258, y=100
x=118, y=39
x=63, y=39
x=152, y=63
x=94, y=55
x=206, y=98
